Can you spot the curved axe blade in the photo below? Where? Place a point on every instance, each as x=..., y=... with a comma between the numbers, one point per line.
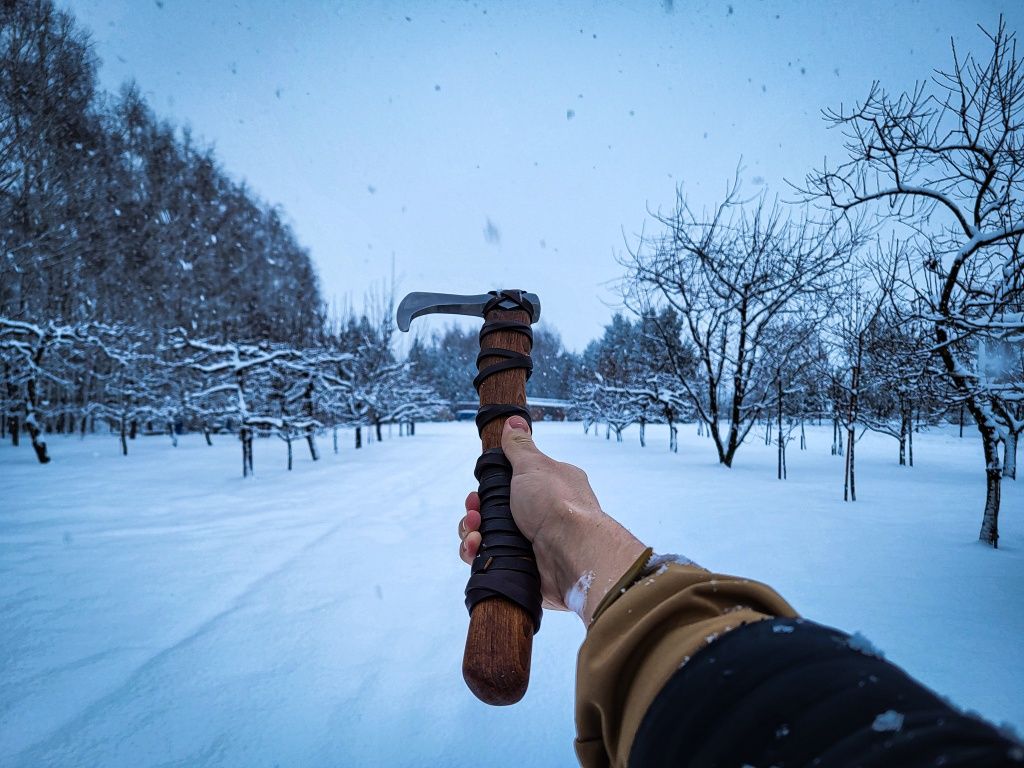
x=423, y=303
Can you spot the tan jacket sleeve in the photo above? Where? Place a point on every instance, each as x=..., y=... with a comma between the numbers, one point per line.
x=641, y=634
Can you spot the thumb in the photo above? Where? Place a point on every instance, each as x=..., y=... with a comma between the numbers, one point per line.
x=517, y=443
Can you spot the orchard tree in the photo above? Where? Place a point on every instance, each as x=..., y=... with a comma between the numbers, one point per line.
x=945, y=161
x=731, y=275
x=908, y=388
x=864, y=289
x=34, y=357
x=234, y=381
x=795, y=348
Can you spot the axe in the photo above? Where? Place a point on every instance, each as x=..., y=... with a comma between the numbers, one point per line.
x=503, y=592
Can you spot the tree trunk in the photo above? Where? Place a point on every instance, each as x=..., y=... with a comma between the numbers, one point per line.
x=849, y=482
x=206, y=434
x=15, y=428
x=412, y=427
x=725, y=452
x=311, y=441
x=1010, y=455
x=245, y=436
x=124, y=437
x=904, y=431
x=607, y=431
x=32, y=425
x=172, y=433
x=359, y=437
x=376, y=429
x=38, y=443
x=288, y=440
x=643, y=425
x=335, y=435
x=961, y=419
x=133, y=430
x=910, y=441
x=673, y=436
x=837, y=436
x=782, y=442
x=993, y=477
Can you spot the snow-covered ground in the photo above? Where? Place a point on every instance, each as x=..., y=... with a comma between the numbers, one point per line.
x=160, y=610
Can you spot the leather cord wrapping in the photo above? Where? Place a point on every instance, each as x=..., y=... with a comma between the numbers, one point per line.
x=488, y=413
x=505, y=564
x=509, y=359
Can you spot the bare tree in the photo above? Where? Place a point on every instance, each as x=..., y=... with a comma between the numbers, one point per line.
x=731, y=276
x=946, y=162
x=32, y=355
x=906, y=385
x=236, y=377
x=794, y=348
x=851, y=330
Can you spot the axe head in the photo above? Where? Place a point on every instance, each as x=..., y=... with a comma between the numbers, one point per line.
x=420, y=303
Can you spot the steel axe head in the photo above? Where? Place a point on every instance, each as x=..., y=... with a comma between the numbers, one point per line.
x=421, y=303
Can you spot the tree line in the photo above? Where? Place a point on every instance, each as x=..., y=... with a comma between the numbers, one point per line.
x=446, y=362
x=888, y=294
x=108, y=213
x=71, y=377
x=141, y=287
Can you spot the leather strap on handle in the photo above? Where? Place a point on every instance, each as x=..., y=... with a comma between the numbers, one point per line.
x=503, y=594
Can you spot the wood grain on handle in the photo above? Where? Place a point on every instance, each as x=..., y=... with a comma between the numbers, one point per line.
x=496, y=664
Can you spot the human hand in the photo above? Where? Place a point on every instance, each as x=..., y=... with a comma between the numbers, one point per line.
x=581, y=551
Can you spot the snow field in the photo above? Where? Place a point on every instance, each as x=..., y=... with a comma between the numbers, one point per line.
x=159, y=610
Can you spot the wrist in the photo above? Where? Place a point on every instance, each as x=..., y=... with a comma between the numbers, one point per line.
x=601, y=551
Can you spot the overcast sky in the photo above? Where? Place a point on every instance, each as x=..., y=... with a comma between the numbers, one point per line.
x=477, y=145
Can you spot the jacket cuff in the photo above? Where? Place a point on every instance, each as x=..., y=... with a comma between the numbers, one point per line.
x=630, y=577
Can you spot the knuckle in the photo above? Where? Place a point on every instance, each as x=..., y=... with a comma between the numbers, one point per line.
x=521, y=440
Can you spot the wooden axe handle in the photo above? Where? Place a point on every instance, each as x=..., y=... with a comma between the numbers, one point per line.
x=496, y=664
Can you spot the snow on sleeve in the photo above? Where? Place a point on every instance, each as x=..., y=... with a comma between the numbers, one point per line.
x=890, y=720
x=861, y=644
x=659, y=563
